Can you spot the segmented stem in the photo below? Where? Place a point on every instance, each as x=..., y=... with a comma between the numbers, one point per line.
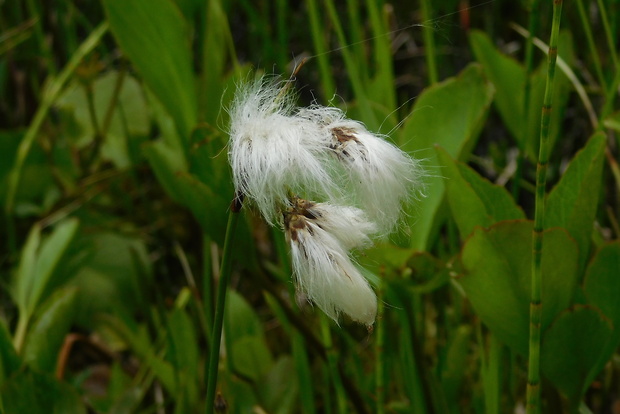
x=533, y=375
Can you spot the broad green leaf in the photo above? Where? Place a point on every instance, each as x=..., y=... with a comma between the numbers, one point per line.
x=601, y=286
x=209, y=206
x=53, y=87
x=449, y=114
x=250, y=357
x=240, y=395
x=9, y=360
x=48, y=330
x=497, y=263
x=279, y=389
x=474, y=200
x=113, y=278
x=166, y=163
x=129, y=116
x=38, y=393
x=571, y=350
x=245, y=339
x=24, y=277
x=39, y=262
x=602, y=282
x=572, y=204
x=240, y=318
x=508, y=76
x=208, y=159
x=454, y=362
x=35, y=172
x=183, y=353
x=49, y=257
x=154, y=37
x=217, y=40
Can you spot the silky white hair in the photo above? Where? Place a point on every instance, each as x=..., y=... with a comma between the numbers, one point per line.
x=273, y=153
x=320, y=238
x=278, y=151
x=382, y=176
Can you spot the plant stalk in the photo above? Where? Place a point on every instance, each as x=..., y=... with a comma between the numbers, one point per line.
x=533, y=375
x=216, y=336
x=429, y=42
x=380, y=348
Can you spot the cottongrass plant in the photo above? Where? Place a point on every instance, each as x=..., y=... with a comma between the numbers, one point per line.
x=383, y=176
x=320, y=236
x=282, y=157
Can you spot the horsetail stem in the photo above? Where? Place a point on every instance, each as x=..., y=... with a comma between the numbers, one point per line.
x=533, y=375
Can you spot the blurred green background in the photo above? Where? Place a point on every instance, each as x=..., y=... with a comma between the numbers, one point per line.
x=115, y=190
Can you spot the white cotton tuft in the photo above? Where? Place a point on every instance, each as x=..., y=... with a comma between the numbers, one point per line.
x=325, y=273
x=273, y=153
x=382, y=176
x=349, y=225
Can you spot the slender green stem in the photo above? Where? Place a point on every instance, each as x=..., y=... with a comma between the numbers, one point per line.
x=527, y=89
x=384, y=71
x=320, y=47
x=533, y=374
x=216, y=336
x=352, y=67
x=602, y=9
x=587, y=29
x=332, y=366
x=379, y=349
x=429, y=42
x=610, y=93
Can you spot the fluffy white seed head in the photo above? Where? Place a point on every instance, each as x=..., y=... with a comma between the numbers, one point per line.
x=349, y=225
x=272, y=152
x=382, y=176
x=323, y=269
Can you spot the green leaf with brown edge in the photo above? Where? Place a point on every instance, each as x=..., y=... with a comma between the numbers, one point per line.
x=572, y=204
x=474, y=200
x=602, y=282
x=450, y=114
x=497, y=263
x=47, y=332
x=155, y=38
x=601, y=286
x=571, y=350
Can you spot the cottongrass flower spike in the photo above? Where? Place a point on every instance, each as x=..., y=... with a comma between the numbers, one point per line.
x=271, y=151
x=383, y=176
x=320, y=236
